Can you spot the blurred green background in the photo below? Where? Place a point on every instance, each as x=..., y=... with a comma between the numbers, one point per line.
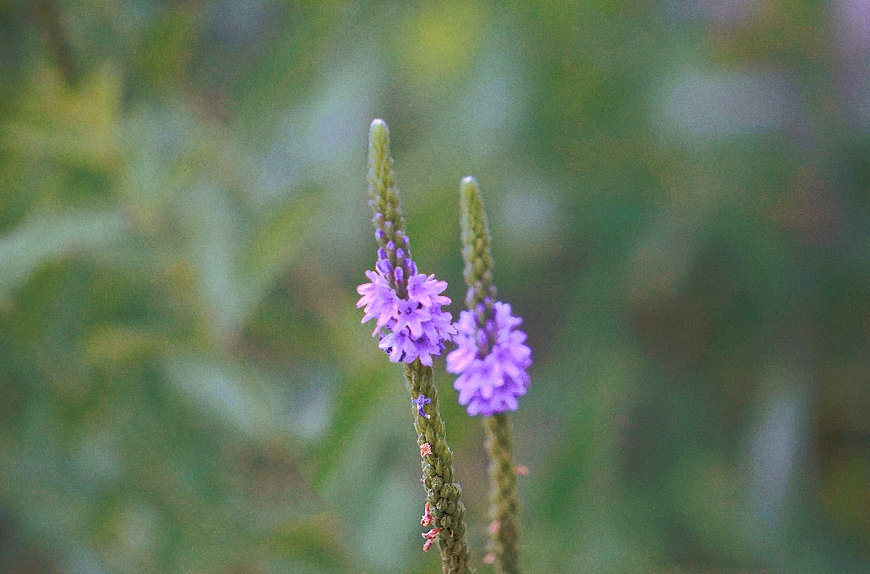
x=679, y=196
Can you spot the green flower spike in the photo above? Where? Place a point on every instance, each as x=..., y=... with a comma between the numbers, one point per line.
x=395, y=285
x=502, y=548
x=384, y=201
x=445, y=511
x=475, y=246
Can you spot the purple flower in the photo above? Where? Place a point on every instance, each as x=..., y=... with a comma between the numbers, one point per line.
x=492, y=361
x=420, y=402
x=379, y=298
x=417, y=326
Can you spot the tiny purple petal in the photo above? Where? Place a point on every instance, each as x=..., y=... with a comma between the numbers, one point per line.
x=400, y=253
x=384, y=266
x=420, y=402
x=380, y=235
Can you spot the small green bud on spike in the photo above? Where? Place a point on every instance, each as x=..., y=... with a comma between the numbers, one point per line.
x=475, y=246
x=444, y=509
x=504, y=502
x=384, y=201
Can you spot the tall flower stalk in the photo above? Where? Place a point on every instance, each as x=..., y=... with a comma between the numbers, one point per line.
x=413, y=329
x=492, y=361
x=444, y=510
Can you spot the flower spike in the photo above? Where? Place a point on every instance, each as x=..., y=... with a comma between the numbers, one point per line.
x=412, y=329
x=492, y=362
x=491, y=357
x=406, y=304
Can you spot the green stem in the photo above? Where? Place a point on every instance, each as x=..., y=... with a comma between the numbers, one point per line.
x=504, y=503
x=442, y=493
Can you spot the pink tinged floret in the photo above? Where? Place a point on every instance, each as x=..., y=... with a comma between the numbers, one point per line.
x=460, y=359
x=378, y=298
x=430, y=538
x=427, y=519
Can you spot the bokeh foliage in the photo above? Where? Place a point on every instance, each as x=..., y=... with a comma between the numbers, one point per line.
x=679, y=196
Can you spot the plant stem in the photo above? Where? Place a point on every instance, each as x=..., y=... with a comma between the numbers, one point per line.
x=442, y=493
x=504, y=503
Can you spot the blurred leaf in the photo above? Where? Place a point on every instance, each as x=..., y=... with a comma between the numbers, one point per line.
x=318, y=542
x=236, y=401
x=45, y=237
x=71, y=125
x=709, y=496
x=362, y=395
x=113, y=344
x=275, y=247
x=165, y=49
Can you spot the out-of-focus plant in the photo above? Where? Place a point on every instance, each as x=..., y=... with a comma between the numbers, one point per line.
x=492, y=361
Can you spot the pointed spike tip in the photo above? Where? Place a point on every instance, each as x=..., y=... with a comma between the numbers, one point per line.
x=468, y=180
x=379, y=129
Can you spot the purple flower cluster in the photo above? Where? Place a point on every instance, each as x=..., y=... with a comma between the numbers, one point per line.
x=491, y=359
x=417, y=326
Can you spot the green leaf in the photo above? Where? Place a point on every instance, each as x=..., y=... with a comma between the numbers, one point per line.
x=45, y=237
x=236, y=400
